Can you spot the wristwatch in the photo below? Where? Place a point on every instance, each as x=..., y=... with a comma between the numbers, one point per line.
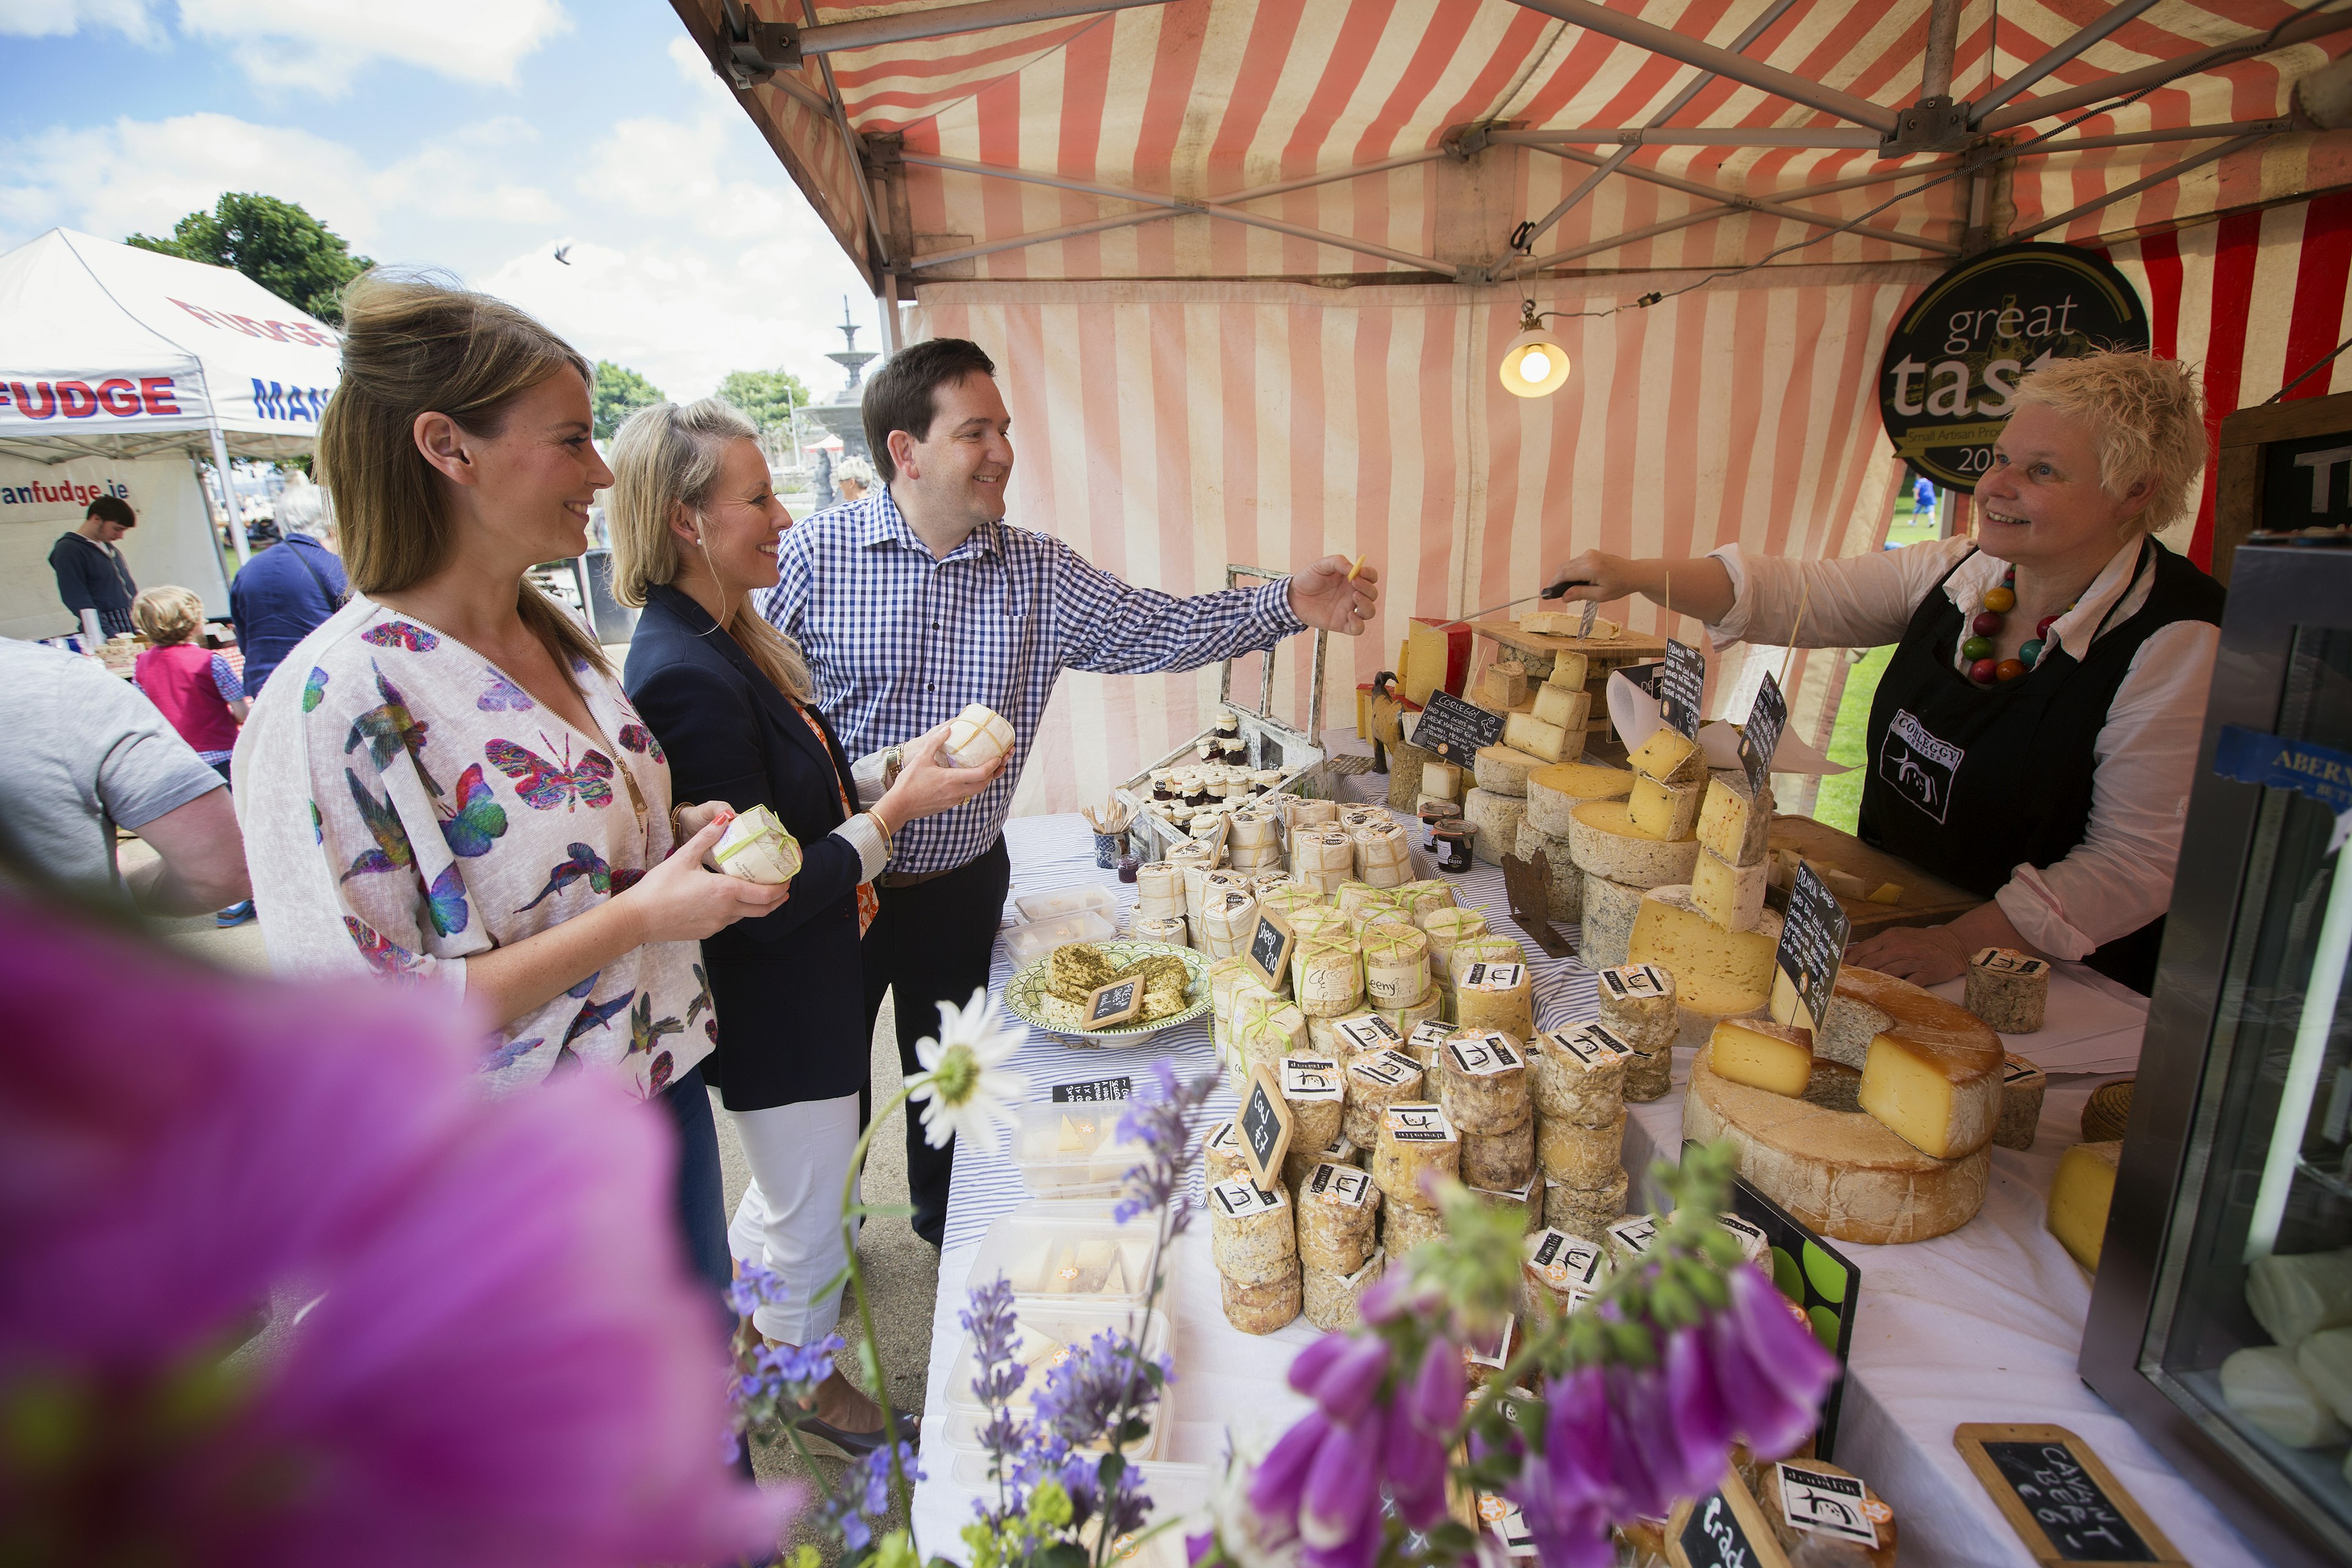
x=893, y=760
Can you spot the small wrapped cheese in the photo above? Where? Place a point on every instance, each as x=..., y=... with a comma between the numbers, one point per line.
x=1266, y=1306
x=1384, y=856
x=1337, y=1208
x=1220, y=1154
x=756, y=847
x=1494, y=996
x=1227, y=918
x=1577, y=1074
x=977, y=737
x=1557, y=1274
x=2008, y=990
x=1315, y=1092
x=1298, y=811
x=1649, y=1075
x=1416, y=1142
x=1321, y=920
x=1172, y=929
x=2263, y=1384
x=1252, y=828
x=1265, y=1029
x=1586, y=1158
x=1583, y=1212
x=1483, y=1082
x=1323, y=857
x=1326, y=975
x=1500, y=1161
x=1251, y=1235
x=1226, y=977
x=1637, y=1003
x=1396, y=965
x=1404, y=1228
x=1366, y=1033
x=1354, y=897
x=1426, y=1040
x=1287, y=899
x=1159, y=881
x=1375, y=1082
x=1446, y=925
x=2022, y=1087
x=1334, y=1301
x=2293, y=1295
x=1406, y=1019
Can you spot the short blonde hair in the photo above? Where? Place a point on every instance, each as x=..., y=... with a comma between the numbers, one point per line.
x=666, y=455
x=2146, y=418
x=167, y=615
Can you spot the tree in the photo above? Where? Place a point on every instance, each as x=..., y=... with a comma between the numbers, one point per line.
x=620, y=392
x=275, y=243
x=766, y=398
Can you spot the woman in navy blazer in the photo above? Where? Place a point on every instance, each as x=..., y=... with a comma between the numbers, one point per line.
x=694, y=523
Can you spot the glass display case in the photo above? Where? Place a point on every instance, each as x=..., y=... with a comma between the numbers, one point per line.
x=2221, y=1322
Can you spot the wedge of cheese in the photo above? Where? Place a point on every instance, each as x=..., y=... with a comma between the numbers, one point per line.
x=1555, y=792
x=1672, y=929
x=1570, y=707
x=1732, y=825
x=1664, y=810
x=1504, y=770
x=1667, y=756
x=1568, y=671
x=2080, y=1195
x=1932, y=1075
x=1607, y=924
x=1505, y=683
x=1840, y=1172
x=1497, y=818
x=1763, y=1055
x=1703, y=1001
x=1731, y=896
x=1603, y=840
x=1537, y=738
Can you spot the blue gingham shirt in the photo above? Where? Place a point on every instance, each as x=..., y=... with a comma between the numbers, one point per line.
x=900, y=641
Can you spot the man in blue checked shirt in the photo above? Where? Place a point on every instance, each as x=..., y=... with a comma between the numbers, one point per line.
x=919, y=599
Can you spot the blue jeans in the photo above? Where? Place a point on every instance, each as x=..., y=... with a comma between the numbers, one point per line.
x=701, y=1194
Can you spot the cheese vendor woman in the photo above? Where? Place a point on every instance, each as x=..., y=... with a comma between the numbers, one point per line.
x=2034, y=734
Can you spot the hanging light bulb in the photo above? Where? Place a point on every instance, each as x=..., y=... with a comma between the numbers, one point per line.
x=1534, y=364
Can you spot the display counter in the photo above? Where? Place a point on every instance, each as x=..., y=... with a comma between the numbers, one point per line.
x=1984, y=1324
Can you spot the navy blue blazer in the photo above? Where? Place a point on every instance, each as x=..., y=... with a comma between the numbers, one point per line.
x=787, y=986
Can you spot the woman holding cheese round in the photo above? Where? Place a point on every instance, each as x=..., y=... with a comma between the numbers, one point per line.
x=695, y=521
x=2034, y=733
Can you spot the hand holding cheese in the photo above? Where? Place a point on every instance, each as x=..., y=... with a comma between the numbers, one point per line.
x=756, y=847
x=931, y=781
x=682, y=901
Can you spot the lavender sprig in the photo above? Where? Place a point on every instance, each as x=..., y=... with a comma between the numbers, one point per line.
x=1099, y=1390
x=862, y=1499
x=1159, y=1123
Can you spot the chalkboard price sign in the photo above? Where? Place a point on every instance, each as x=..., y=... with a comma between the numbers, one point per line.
x=1761, y=737
x=1725, y=1529
x=1682, y=687
x=2058, y=1496
x=1114, y=1004
x=1265, y=1127
x=1812, y=947
x=1455, y=730
x=1269, y=952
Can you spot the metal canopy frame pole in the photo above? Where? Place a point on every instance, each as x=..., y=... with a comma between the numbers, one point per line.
x=2302, y=30
x=856, y=148
x=2171, y=172
x=1757, y=204
x=2149, y=138
x=908, y=26
x=1829, y=138
x=1943, y=41
x=2048, y=62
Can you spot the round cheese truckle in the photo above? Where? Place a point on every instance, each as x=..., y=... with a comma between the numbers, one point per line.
x=1483, y=1084
x=1585, y=1212
x=1577, y=1074
x=1637, y=1003
x=1252, y=1237
x=1554, y=793
x=1497, y=818
x=1334, y=1301
x=1338, y=1209
x=2008, y=989
x=1377, y=1081
x=1415, y=1141
x=1404, y=1228
x=1265, y=1308
x=1396, y=965
x=1501, y=770
x=1326, y=975
x=1604, y=841
x=1585, y=1158
x=977, y=737
x=756, y=847
x=1500, y=1161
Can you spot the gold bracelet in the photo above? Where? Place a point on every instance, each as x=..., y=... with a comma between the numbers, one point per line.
x=677, y=834
x=879, y=827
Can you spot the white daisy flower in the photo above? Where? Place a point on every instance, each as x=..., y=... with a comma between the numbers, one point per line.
x=967, y=1090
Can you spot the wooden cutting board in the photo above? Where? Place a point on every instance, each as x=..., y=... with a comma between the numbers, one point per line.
x=1927, y=901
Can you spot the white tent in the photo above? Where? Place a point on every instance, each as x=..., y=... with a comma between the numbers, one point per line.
x=117, y=366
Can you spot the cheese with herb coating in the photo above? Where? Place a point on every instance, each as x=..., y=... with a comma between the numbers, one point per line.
x=1251, y=1233
x=1483, y=1082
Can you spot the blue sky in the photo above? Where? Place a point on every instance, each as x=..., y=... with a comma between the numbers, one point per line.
x=472, y=135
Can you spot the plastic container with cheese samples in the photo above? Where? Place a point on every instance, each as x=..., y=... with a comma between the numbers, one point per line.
x=1060, y=901
x=1075, y=1150
x=1047, y=1335
x=1067, y=1252
x=1029, y=943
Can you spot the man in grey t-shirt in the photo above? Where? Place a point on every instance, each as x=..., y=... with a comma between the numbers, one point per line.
x=82, y=752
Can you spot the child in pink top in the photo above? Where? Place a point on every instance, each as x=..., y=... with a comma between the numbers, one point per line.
x=193, y=687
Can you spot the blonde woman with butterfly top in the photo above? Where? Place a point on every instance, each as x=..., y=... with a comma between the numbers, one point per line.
x=448, y=786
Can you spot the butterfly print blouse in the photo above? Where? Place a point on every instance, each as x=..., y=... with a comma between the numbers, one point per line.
x=405, y=805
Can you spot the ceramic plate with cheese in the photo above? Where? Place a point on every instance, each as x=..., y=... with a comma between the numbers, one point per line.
x=1050, y=994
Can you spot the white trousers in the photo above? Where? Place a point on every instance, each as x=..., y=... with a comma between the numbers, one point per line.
x=789, y=1219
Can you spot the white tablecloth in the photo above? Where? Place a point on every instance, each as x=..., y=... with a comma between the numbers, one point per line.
x=1981, y=1325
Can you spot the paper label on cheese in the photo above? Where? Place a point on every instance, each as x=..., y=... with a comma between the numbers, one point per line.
x=1564, y=1262
x=2012, y=1069
x=1343, y=1186
x=1241, y=1197
x=1635, y=1233
x=1635, y=981
x=1223, y=1137
x=1494, y=977
x=1753, y=1243
x=1417, y=1124
x=1482, y=1055
x=1369, y=1033
x=1312, y=1077
x=2008, y=961
x=1388, y=1069
x=1826, y=1504
x=1590, y=1045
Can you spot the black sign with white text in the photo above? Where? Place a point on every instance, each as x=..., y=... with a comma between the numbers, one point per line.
x=1761, y=737
x=1812, y=945
x=1681, y=688
x=1455, y=730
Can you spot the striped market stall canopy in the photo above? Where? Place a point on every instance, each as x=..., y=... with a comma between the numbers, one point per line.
x=1249, y=269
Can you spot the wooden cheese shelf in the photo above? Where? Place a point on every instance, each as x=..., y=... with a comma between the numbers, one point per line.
x=1600, y=653
x=1927, y=901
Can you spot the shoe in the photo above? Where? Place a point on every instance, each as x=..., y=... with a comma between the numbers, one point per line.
x=857, y=1445
x=234, y=915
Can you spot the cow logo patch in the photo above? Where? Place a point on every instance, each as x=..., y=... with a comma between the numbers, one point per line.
x=1917, y=765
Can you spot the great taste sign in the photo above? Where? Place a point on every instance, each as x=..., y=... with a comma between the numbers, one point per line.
x=1945, y=385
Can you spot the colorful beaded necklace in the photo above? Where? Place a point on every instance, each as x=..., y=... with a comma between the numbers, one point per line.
x=1998, y=601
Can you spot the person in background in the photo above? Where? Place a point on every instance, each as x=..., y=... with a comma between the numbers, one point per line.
x=449, y=788
x=920, y=599
x=82, y=753
x=1923, y=494
x=853, y=479
x=695, y=526
x=285, y=591
x=192, y=687
x=93, y=579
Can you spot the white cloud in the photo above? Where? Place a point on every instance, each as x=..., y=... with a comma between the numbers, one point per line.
x=134, y=19
x=145, y=174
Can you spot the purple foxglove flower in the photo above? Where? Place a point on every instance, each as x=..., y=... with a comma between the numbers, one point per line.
x=1413, y=1462
x=1281, y=1480
x=1358, y=1550
x=1699, y=1424
x=1309, y=1364
x=1758, y=1413
x=1647, y=1470
x=1785, y=1348
x=1343, y=1486
x=1434, y=1402
x=1346, y=1387
x=1576, y=1438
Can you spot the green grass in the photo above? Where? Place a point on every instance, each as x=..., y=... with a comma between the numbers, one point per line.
x=1839, y=804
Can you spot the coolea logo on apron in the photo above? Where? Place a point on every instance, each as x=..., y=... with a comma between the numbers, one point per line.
x=1918, y=766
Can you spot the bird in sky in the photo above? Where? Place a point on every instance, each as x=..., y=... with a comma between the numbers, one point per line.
x=563, y=254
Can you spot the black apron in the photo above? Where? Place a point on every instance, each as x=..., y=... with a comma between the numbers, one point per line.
x=1969, y=782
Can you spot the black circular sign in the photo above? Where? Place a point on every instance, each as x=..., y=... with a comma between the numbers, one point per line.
x=1956, y=355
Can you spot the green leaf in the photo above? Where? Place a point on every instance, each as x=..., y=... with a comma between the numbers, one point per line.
x=1452, y=1539
x=1113, y=1465
x=879, y=1211
x=1061, y=1554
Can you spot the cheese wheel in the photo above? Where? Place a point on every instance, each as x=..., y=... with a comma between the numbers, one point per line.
x=1299, y=1164
x=1334, y=1301
x=1323, y=851
x=1418, y=899
x=1585, y=1212
x=1404, y=1228
x=1252, y=1237
x=1603, y=840
x=1250, y=827
x=1423, y=1044
x=1316, y=1091
x=1637, y=1003
x=1836, y=1087
x=1840, y=1172
x=1498, y=1161
x=1482, y=1081
x=1582, y=1157
x=1670, y=929
x=1220, y=1154
x=1607, y=927
x=1701, y=1002
x=1355, y=897
x=1577, y=1074
x=1554, y=793
x=1337, y=1210
x=1226, y=977
x=1354, y=819
x=1406, y=1019
x=1326, y=975
x=2021, y=1087
x=1264, y=861
x=1173, y=930
x=1445, y=926
x=1493, y=995
x=1262, y=1309
x=1375, y=1082
x=1318, y=920
x=1287, y=899
x=1497, y=818
x=1265, y=1030
x=1415, y=1142
x=2080, y=1195
x=1384, y=856
x=1934, y=1073
x=1396, y=965
x=1564, y=899
x=2008, y=989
